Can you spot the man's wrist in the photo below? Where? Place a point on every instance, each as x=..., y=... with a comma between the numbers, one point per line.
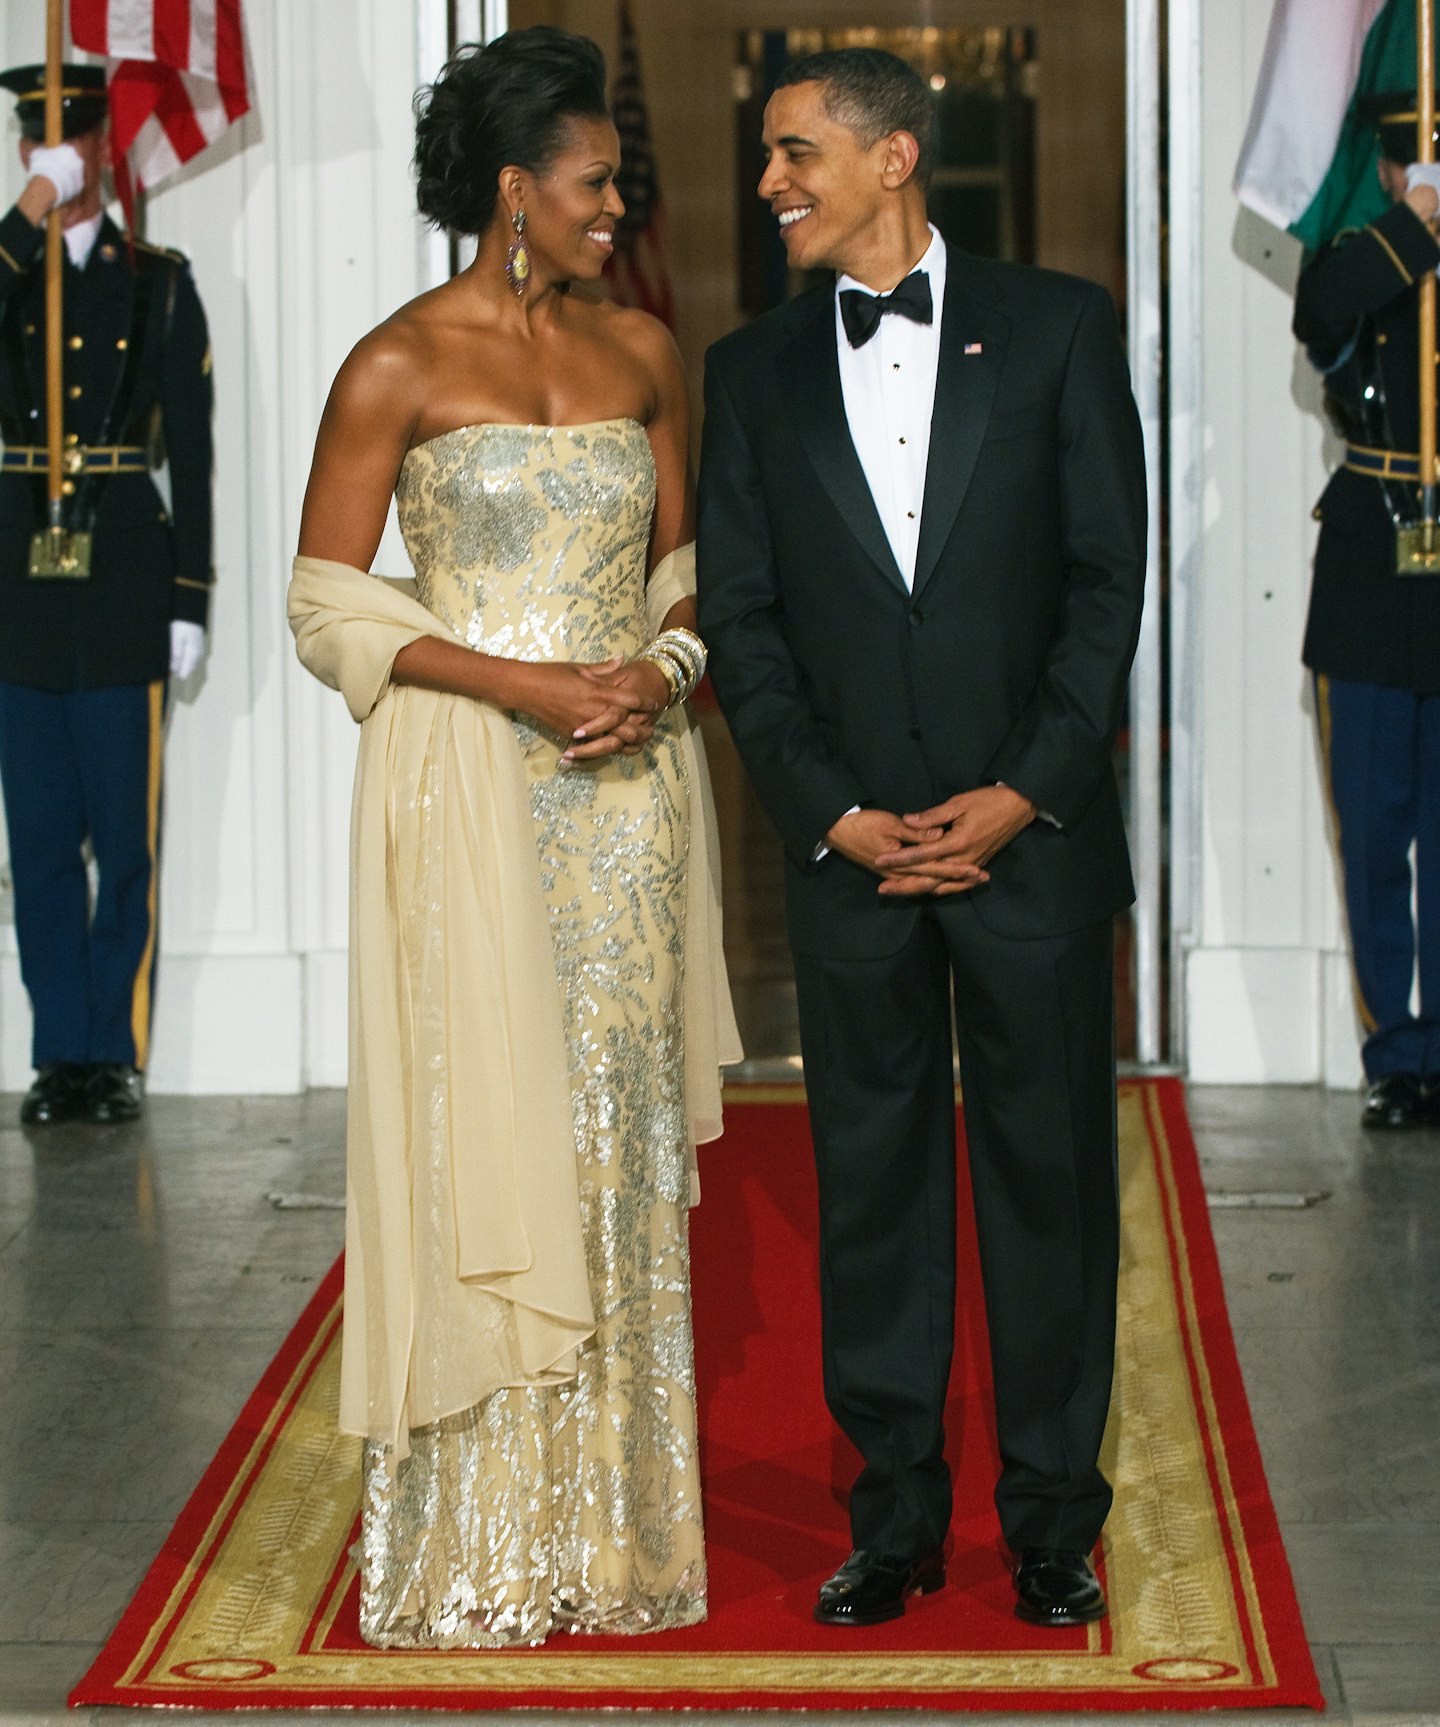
x=827, y=845
x=37, y=200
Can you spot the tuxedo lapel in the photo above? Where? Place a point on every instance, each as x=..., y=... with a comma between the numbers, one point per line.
x=973, y=338
x=810, y=370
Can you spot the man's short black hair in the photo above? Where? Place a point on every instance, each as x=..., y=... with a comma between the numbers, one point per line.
x=872, y=94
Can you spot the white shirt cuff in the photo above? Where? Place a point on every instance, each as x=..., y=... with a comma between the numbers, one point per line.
x=822, y=851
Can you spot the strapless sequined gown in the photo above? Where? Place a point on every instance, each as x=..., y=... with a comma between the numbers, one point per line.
x=573, y=1507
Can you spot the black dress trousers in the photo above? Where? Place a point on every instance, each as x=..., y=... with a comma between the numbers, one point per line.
x=1034, y=1025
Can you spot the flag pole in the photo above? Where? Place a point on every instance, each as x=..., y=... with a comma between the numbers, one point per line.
x=1418, y=546
x=54, y=241
x=1425, y=140
x=52, y=552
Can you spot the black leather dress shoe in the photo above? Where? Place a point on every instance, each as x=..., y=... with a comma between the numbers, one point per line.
x=115, y=1093
x=870, y=1588
x=56, y=1094
x=1395, y=1102
x=1055, y=1586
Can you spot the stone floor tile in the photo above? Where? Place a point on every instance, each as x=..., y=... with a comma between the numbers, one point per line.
x=69, y=1583
x=34, y=1675
x=105, y=1403
x=1387, y=1679
x=1367, y=1586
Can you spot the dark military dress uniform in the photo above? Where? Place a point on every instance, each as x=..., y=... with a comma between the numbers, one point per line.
x=84, y=663
x=1373, y=638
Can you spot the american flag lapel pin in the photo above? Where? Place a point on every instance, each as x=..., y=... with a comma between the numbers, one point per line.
x=973, y=347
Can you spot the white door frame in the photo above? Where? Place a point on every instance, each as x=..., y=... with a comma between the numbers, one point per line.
x=1143, y=242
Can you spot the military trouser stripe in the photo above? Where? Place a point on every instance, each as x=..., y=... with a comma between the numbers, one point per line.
x=141, y=995
x=1322, y=712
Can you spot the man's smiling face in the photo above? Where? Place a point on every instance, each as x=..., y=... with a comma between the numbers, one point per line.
x=825, y=187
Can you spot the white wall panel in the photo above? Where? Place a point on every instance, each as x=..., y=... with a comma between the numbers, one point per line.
x=1264, y=995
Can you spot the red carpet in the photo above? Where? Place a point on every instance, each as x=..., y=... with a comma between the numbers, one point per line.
x=252, y=1601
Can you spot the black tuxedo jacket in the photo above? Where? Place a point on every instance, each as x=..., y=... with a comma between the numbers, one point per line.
x=1010, y=659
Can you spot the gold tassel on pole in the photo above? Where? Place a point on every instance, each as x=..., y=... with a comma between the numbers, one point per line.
x=1418, y=547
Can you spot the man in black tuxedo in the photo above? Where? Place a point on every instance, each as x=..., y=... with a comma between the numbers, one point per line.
x=921, y=570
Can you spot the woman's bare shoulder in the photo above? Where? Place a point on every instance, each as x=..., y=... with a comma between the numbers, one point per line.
x=388, y=367
x=645, y=340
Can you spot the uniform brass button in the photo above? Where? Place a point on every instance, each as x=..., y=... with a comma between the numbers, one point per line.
x=71, y=439
x=75, y=391
x=68, y=488
x=74, y=461
x=77, y=341
x=123, y=344
x=1381, y=339
x=29, y=329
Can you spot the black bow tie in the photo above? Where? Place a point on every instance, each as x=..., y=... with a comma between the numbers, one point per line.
x=861, y=313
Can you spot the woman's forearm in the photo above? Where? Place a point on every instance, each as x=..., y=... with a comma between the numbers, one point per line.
x=681, y=616
x=432, y=664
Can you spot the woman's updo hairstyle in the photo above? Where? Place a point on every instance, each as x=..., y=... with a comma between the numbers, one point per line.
x=504, y=102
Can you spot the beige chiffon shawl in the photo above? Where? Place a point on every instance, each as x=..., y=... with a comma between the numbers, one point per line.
x=520, y=1300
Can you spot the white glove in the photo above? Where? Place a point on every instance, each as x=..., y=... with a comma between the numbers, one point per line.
x=62, y=167
x=187, y=647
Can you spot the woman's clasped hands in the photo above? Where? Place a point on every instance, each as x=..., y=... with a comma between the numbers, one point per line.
x=606, y=708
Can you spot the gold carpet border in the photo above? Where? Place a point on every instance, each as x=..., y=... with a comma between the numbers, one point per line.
x=259, y=1596
x=1228, y=1506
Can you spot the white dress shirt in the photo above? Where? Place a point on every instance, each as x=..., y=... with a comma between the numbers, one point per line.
x=80, y=240
x=888, y=386
x=889, y=390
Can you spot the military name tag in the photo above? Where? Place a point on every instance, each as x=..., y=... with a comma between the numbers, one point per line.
x=59, y=556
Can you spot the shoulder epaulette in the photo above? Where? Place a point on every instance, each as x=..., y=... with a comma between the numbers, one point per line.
x=1389, y=252
x=155, y=251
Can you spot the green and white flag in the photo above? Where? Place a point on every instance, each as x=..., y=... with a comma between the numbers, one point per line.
x=1308, y=160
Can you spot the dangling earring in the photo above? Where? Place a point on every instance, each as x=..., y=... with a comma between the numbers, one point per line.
x=517, y=259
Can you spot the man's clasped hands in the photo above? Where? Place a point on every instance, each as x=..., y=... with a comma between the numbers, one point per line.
x=942, y=850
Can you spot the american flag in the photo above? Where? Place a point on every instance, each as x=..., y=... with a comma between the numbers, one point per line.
x=637, y=269
x=176, y=79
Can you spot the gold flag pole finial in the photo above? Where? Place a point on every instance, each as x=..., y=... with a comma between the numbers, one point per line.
x=1418, y=547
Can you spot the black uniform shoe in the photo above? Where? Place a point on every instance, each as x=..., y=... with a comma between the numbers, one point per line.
x=1393, y=1103
x=1055, y=1586
x=115, y=1093
x=57, y=1094
x=870, y=1588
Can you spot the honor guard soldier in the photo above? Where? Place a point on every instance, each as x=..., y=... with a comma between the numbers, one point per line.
x=84, y=657
x=1372, y=638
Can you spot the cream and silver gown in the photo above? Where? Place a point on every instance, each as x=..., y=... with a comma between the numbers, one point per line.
x=575, y=1506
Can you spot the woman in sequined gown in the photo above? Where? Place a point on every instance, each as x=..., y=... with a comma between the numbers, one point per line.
x=518, y=1350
